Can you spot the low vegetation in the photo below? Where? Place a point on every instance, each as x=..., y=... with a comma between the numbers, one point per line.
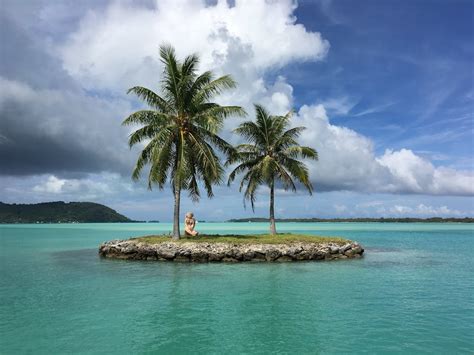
x=246, y=239
x=363, y=220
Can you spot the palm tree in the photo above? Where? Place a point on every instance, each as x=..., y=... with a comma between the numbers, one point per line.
x=180, y=129
x=270, y=155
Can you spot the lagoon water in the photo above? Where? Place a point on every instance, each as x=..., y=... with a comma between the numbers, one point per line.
x=411, y=293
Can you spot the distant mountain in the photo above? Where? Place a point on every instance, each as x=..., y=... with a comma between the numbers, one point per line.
x=59, y=212
x=379, y=220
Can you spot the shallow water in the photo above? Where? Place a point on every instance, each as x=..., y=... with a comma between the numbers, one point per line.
x=412, y=292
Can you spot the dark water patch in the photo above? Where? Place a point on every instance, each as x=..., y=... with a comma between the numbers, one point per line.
x=416, y=262
x=382, y=250
x=74, y=257
x=73, y=254
x=384, y=264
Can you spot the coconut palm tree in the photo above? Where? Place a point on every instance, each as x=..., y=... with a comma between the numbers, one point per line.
x=270, y=155
x=180, y=130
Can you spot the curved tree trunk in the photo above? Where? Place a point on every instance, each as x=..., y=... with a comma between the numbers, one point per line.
x=272, y=209
x=177, y=198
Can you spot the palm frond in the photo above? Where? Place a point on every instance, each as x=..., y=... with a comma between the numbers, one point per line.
x=189, y=65
x=296, y=152
x=141, y=134
x=161, y=163
x=213, y=88
x=206, y=157
x=254, y=180
x=292, y=134
x=298, y=170
x=151, y=98
x=147, y=117
x=215, y=140
x=171, y=75
x=159, y=141
x=284, y=177
x=251, y=132
x=247, y=165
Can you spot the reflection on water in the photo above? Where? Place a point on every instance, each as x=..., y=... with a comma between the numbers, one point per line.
x=382, y=250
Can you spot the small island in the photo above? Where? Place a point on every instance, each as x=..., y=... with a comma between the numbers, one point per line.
x=232, y=248
x=184, y=148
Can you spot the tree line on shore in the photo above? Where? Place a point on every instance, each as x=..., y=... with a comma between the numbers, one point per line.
x=363, y=219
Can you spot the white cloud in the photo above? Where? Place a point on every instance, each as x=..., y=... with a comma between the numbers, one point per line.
x=412, y=173
x=422, y=211
x=374, y=109
x=369, y=204
x=52, y=185
x=246, y=40
x=340, y=208
x=90, y=187
x=118, y=48
x=347, y=160
x=340, y=105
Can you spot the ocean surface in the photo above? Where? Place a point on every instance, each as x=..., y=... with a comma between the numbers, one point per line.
x=413, y=292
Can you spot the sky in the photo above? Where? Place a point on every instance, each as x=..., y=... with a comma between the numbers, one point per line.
x=385, y=89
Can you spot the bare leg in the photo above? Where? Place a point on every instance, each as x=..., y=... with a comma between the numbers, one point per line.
x=189, y=232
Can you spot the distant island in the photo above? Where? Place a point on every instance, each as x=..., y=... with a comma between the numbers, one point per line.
x=59, y=212
x=364, y=220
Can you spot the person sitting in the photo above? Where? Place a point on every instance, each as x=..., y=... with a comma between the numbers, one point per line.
x=189, y=224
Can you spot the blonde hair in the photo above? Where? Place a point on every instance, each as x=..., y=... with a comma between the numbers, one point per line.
x=189, y=215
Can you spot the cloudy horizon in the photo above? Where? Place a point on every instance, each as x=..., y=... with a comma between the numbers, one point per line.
x=387, y=106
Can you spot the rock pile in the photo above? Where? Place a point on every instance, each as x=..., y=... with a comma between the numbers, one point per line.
x=227, y=252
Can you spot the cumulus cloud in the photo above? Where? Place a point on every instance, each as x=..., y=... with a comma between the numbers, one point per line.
x=346, y=158
x=52, y=185
x=246, y=40
x=90, y=187
x=412, y=173
x=347, y=161
x=421, y=210
x=115, y=48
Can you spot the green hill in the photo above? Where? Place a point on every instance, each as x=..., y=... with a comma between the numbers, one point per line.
x=59, y=212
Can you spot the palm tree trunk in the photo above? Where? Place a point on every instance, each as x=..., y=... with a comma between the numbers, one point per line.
x=272, y=209
x=177, y=198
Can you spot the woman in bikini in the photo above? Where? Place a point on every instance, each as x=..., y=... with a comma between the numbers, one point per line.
x=189, y=224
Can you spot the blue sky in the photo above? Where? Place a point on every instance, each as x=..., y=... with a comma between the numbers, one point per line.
x=405, y=66
x=384, y=87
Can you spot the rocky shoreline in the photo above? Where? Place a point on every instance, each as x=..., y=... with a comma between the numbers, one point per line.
x=228, y=252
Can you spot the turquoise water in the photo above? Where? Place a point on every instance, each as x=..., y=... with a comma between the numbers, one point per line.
x=411, y=293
